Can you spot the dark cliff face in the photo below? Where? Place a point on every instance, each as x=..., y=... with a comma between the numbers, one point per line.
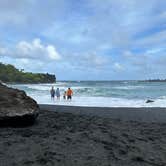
x=16, y=108
x=49, y=77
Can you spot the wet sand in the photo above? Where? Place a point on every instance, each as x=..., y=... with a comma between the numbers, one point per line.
x=78, y=136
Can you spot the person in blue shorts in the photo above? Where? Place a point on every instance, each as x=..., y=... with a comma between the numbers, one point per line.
x=52, y=92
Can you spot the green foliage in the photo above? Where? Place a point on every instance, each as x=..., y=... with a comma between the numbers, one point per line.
x=8, y=73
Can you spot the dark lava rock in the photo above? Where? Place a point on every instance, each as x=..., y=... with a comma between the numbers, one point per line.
x=149, y=101
x=16, y=108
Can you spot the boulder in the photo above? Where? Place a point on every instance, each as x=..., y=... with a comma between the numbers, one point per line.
x=149, y=101
x=16, y=108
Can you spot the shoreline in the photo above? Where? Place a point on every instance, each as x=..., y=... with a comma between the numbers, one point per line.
x=79, y=136
x=142, y=114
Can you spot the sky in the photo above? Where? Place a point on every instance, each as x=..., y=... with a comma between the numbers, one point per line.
x=85, y=39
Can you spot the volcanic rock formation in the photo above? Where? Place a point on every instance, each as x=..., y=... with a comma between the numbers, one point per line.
x=16, y=108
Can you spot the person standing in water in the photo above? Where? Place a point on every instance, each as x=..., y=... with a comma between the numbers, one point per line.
x=57, y=93
x=52, y=92
x=69, y=94
x=64, y=95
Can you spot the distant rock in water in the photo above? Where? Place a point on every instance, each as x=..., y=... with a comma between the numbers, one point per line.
x=16, y=108
x=149, y=101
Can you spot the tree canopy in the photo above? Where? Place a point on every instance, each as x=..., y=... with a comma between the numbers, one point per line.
x=10, y=74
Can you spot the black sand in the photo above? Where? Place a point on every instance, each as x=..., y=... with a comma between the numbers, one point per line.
x=77, y=136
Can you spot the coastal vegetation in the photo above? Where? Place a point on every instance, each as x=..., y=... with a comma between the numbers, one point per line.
x=154, y=80
x=10, y=74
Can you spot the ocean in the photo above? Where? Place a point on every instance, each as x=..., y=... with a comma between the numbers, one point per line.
x=101, y=93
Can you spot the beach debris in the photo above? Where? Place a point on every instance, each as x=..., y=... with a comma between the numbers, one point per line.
x=16, y=108
x=149, y=101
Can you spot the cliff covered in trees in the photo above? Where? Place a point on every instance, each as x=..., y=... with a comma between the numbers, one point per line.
x=10, y=74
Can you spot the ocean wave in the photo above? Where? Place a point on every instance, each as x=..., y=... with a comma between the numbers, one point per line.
x=100, y=95
x=38, y=87
x=162, y=97
x=128, y=87
x=47, y=87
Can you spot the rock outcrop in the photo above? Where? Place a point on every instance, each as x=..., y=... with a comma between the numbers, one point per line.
x=149, y=101
x=16, y=108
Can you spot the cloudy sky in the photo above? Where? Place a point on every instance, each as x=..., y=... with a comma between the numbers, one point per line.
x=85, y=39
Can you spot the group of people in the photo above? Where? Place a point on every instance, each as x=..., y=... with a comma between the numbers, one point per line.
x=66, y=95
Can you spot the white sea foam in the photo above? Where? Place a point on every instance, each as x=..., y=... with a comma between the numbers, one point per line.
x=100, y=102
x=128, y=87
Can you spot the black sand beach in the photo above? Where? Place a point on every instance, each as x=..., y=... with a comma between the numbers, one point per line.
x=78, y=136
